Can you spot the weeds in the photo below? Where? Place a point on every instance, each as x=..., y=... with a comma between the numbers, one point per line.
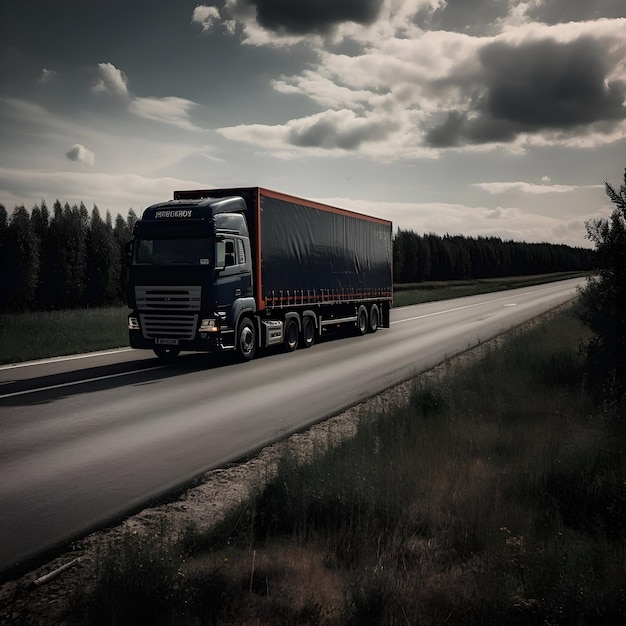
x=494, y=495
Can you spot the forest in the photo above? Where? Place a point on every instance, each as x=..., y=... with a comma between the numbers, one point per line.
x=69, y=258
x=420, y=258
x=62, y=259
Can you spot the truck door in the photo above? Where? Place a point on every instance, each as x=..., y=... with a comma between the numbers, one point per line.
x=233, y=281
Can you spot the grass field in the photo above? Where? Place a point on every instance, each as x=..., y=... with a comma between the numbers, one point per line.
x=416, y=293
x=493, y=495
x=39, y=335
x=42, y=334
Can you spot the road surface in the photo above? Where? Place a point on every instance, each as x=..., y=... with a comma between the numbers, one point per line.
x=86, y=439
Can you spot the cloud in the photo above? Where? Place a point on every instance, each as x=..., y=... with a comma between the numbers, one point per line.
x=79, y=154
x=513, y=85
x=553, y=85
x=205, y=16
x=331, y=133
x=529, y=188
x=472, y=221
x=463, y=16
x=338, y=129
x=168, y=110
x=46, y=75
x=536, y=86
x=555, y=11
x=111, y=81
x=308, y=16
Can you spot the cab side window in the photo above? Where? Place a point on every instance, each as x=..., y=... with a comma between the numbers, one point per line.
x=229, y=256
x=241, y=253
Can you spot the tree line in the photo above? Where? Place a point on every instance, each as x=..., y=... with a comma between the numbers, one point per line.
x=419, y=258
x=61, y=260
x=71, y=258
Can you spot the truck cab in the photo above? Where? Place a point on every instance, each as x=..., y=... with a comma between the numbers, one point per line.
x=190, y=275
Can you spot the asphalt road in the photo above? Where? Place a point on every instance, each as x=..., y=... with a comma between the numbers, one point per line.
x=86, y=439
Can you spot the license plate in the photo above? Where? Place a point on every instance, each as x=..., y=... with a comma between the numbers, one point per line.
x=162, y=341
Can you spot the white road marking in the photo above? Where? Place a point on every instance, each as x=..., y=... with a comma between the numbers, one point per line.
x=61, y=359
x=78, y=382
x=467, y=306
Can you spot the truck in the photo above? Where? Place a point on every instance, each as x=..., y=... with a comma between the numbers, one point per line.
x=243, y=269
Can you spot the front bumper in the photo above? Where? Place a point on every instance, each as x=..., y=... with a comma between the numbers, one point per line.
x=204, y=338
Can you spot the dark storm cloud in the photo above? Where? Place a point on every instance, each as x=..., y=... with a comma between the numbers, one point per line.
x=299, y=17
x=326, y=133
x=463, y=16
x=552, y=85
x=532, y=88
x=558, y=11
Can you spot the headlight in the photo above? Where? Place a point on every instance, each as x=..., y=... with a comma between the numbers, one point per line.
x=133, y=323
x=209, y=326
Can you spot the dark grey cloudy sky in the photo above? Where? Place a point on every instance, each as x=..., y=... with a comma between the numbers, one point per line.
x=479, y=117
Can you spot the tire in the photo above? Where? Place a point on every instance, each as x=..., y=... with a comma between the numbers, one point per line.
x=361, y=321
x=165, y=354
x=374, y=318
x=308, y=332
x=290, y=341
x=246, y=340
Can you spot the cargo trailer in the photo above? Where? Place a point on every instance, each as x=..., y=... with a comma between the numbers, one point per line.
x=243, y=269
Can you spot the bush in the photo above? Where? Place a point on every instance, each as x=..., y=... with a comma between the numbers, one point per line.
x=604, y=300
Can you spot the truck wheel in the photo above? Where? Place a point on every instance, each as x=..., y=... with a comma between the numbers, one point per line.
x=246, y=340
x=374, y=319
x=167, y=355
x=361, y=321
x=291, y=335
x=308, y=332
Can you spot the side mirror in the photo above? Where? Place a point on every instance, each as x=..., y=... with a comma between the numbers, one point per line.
x=128, y=249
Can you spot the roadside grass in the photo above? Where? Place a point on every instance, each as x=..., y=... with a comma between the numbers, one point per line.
x=495, y=494
x=417, y=293
x=44, y=334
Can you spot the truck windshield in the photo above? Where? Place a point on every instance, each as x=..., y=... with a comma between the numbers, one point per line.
x=173, y=252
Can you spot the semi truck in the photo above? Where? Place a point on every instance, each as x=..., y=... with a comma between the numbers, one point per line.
x=243, y=269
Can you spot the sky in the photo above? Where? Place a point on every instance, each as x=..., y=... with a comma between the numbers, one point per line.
x=474, y=117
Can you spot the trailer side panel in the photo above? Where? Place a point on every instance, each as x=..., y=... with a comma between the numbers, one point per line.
x=312, y=253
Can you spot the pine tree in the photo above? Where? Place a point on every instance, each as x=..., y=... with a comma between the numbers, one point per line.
x=23, y=262
x=102, y=262
x=5, y=258
x=68, y=234
x=122, y=234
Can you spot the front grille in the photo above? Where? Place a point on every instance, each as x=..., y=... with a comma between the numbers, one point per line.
x=182, y=326
x=168, y=298
x=166, y=311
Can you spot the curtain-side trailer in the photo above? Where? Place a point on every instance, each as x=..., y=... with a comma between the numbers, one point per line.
x=248, y=268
